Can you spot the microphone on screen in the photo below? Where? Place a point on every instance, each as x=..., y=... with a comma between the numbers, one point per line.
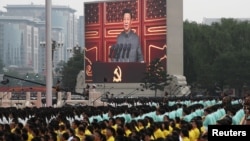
x=115, y=52
x=128, y=51
x=124, y=51
x=119, y=52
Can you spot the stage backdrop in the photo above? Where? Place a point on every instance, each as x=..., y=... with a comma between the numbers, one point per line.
x=104, y=21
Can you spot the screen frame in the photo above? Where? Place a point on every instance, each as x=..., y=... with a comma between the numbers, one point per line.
x=104, y=1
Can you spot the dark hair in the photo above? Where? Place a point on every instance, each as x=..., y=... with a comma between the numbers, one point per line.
x=102, y=136
x=76, y=137
x=53, y=136
x=24, y=136
x=112, y=130
x=185, y=132
x=127, y=11
x=89, y=138
x=65, y=135
x=71, y=131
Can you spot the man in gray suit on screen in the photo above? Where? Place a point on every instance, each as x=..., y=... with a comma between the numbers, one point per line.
x=127, y=48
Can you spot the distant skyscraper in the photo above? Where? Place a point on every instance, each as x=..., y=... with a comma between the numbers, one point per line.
x=64, y=29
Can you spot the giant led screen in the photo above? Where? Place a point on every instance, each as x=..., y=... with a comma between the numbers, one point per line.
x=122, y=38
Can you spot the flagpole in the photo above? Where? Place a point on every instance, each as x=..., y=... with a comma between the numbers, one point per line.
x=48, y=55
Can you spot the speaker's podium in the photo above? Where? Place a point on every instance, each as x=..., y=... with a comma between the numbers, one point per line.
x=115, y=72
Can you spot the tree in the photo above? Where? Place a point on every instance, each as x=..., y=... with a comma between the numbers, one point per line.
x=58, y=69
x=156, y=78
x=217, y=54
x=71, y=69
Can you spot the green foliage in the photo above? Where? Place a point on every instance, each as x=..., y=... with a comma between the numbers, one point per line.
x=71, y=70
x=59, y=67
x=217, y=53
x=156, y=78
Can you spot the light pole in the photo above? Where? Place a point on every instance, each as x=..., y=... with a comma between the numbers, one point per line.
x=54, y=45
x=74, y=50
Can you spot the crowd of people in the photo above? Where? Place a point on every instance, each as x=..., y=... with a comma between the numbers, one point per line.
x=166, y=120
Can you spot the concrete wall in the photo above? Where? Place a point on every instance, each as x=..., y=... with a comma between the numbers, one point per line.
x=126, y=90
x=175, y=37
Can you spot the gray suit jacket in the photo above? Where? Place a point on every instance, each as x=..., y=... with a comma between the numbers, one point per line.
x=130, y=48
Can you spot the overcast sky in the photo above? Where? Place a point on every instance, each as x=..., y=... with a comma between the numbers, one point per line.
x=193, y=10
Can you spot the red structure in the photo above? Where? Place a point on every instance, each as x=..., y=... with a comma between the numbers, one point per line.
x=23, y=89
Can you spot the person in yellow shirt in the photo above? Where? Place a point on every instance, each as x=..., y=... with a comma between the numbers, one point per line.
x=184, y=134
x=127, y=129
x=110, y=133
x=165, y=128
x=191, y=134
x=103, y=126
x=177, y=122
x=87, y=130
x=81, y=133
x=62, y=129
x=13, y=125
x=75, y=124
x=147, y=120
x=188, y=126
x=112, y=123
x=140, y=125
x=98, y=136
x=120, y=134
x=196, y=130
x=28, y=127
x=157, y=132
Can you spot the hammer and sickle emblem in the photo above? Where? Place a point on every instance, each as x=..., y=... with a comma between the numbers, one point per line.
x=89, y=70
x=117, y=75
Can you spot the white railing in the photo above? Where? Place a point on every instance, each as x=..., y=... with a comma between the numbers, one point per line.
x=8, y=101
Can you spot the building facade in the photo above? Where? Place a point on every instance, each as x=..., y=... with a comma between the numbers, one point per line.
x=64, y=32
x=19, y=42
